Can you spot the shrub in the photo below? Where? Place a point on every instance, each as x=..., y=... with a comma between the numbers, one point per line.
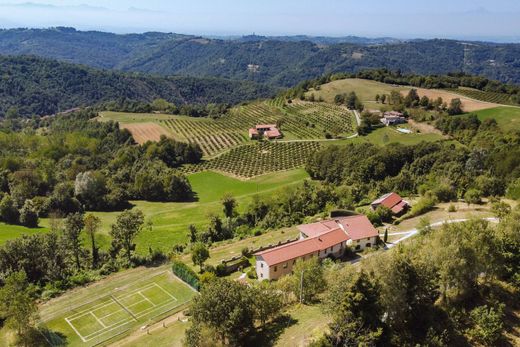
x=220, y=270
x=488, y=324
x=452, y=208
x=251, y=274
x=513, y=190
x=422, y=206
x=186, y=274
x=246, y=252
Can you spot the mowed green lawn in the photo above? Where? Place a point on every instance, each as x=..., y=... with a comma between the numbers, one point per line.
x=366, y=90
x=507, y=117
x=136, y=302
x=171, y=220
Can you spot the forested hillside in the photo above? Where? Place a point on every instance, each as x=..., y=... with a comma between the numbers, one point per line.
x=31, y=85
x=278, y=61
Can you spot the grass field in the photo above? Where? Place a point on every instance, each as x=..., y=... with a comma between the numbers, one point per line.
x=366, y=90
x=116, y=310
x=387, y=135
x=507, y=117
x=171, y=220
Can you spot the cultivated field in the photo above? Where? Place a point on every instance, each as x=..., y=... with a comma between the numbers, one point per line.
x=366, y=90
x=259, y=158
x=143, y=132
x=300, y=120
x=115, y=311
x=468, y=104
x=492, y=97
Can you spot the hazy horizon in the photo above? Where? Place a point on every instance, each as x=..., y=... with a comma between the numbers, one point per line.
x=404, y=19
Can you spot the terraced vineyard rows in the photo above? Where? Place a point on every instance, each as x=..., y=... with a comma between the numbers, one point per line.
x=497, y=98
x=212, y=135
x=299, y=120
x=330, y=118
x=259, y=158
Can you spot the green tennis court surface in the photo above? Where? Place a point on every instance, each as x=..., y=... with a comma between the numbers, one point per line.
x=119, y=310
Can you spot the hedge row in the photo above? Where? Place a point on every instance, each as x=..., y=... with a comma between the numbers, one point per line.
x=186, y=274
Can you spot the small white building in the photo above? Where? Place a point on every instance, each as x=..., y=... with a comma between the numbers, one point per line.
x=393, y=118
x=323, y=239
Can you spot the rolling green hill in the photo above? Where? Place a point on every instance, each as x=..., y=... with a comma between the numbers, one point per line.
x=279, y=61
x=41, y=86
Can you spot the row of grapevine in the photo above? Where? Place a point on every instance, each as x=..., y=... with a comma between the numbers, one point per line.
x=497, y=98
x=259, y=158
x=300, y=120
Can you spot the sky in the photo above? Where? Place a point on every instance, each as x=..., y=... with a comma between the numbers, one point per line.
x=463, y=19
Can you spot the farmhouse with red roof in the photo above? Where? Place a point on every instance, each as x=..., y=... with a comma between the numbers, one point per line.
x=269, y=131
x=323, y=239
x=392, y=201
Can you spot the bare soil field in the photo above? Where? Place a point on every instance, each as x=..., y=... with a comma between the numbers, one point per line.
x=143, y=132
x=468, y=105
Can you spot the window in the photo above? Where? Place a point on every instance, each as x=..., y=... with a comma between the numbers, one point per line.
x=294, y=261
x=357, y=241
x=275, y=268
x=369, y=244
x=319, y=253
x=262, y=265
x=368, y=238
x=331, y=248
x=285, y=266
x=358, y=247
x=261, y=275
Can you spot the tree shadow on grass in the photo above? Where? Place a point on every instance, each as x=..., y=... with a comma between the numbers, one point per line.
x=43, y=337
x=269, y=334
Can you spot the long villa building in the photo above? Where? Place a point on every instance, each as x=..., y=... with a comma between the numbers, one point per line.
x=323, y=239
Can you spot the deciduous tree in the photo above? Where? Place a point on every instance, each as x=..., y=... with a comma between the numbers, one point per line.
x=128, y=225
x=17, y=305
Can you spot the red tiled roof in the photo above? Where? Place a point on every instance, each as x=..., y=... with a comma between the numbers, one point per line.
x=320, y=236
x=272, y=133
x=303, y=247
x=265, y=126
x=399, y=207
x=253, y=131
x=388, y=200
x=358, y=227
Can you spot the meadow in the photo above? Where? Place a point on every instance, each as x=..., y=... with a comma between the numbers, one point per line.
x=171, y=220
x=507, y=117
x=366, y=90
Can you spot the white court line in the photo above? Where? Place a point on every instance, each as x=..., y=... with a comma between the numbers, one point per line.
x=120, y=309
x=77, y=332
x=103, y=304
x=123, y=322
x=161, y=288
x=100, y=322
x=144, y=297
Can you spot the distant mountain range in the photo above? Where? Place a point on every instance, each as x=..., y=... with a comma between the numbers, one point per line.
x=278, y=61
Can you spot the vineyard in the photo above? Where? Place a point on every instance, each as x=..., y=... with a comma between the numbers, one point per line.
x=259, y=158
x=496, y=98
x=299, y=120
